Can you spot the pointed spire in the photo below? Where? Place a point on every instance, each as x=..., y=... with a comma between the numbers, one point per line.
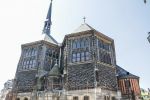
x=48, y=22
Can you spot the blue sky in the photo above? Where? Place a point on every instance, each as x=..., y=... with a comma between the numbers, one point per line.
x=126, y=21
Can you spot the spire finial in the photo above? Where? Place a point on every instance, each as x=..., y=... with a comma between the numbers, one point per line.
x=84, y=18
x=48, y=23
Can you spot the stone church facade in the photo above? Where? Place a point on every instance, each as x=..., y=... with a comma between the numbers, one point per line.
x=82, y=67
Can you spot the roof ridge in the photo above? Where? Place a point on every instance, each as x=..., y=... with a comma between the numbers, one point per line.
x=83, y=27
x=124, y=72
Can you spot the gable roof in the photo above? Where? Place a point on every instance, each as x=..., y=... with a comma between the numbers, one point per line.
x=49, y=38
x=86, y=29
x=55, y=71
x=122, y=73
x=83, y=27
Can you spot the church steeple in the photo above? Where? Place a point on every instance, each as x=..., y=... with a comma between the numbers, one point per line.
x=48, y=22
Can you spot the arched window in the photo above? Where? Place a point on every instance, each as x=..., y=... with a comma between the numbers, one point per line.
x=86, y=43
x=34, y=62
x=18, y=99
x=86, y=98
x=78, y=57
x=34, y=51
x=24, y=52
x=113, y=98
x=107, y=47
x=82, y=43
x=82, y=56
x=75, y=98
x=106, y=97
x=87, y=56
x=99, y=43
x=31, y=52
x=25, y=98
x=78, y=44
x=74, y=57
x=74, y=45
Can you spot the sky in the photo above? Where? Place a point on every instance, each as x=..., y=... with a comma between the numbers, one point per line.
x=126, y=21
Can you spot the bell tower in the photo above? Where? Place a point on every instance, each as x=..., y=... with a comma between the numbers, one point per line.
x=36, y=60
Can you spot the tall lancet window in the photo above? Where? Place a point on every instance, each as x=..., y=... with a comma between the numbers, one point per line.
x=74, y=45
x=78, y=57
x=82, y=56
x=74, y=57
x=86, y=43
x=82, y=43
x=87, y=56
x=78, y=44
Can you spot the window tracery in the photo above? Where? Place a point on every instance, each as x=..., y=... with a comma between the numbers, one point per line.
x=80, y=50
x=74, y=45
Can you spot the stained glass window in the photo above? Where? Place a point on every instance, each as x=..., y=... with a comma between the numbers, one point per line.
x=73, y=57
x=86, y=43
x=78, y=44
x=82, y=44
x=82, y=56
x=78, y=57
x=74, y=45
x=87, y=56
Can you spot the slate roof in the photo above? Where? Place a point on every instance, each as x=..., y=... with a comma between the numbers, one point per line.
x=122, y=73
x=49, y=38
x=83, y=27
x=55, y=71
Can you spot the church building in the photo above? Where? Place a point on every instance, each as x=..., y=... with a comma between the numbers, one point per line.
x=82, y=67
